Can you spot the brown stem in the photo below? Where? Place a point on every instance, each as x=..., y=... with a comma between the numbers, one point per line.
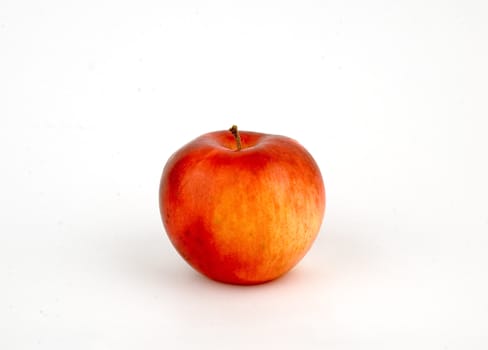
x=235, y=132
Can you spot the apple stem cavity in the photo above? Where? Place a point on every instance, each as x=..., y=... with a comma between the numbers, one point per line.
x=237, y=136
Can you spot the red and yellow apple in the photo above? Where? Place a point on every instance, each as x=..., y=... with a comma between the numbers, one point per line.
x=242, y=207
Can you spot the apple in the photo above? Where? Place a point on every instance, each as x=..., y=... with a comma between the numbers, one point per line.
x=242, y=207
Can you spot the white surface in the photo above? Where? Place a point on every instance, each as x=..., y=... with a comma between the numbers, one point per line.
x=389, y=97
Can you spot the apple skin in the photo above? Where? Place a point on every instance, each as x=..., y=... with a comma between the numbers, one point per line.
x=242, y=216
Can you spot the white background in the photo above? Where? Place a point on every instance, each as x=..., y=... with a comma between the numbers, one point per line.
x=389, y=96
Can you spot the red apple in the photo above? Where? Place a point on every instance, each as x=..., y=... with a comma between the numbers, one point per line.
x=242, y=207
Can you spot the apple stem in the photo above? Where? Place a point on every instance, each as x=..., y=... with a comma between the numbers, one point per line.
x=235, y=132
